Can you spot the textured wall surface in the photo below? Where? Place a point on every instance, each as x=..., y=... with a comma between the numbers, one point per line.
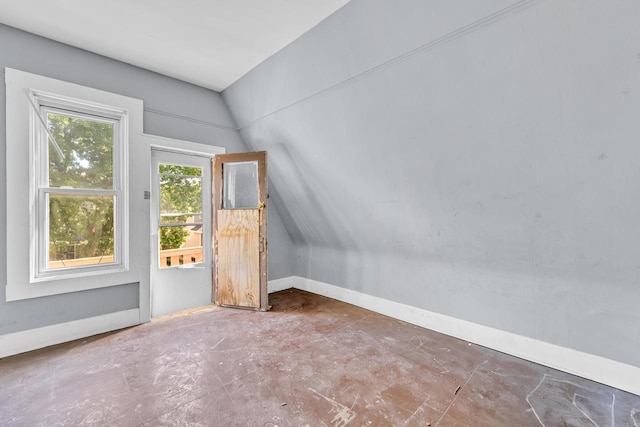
x=480, y=162
x=173, y=109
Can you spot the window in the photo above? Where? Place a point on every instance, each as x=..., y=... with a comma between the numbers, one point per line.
x=69, y=186
x=180, y=222
x=79, y=208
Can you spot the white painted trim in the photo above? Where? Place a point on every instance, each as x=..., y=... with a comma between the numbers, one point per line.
x=184, y=147
x=186, y=286
x=32, y=339
x=161, y=144
x=596, y=368
x=282, y=284
x=19, y=170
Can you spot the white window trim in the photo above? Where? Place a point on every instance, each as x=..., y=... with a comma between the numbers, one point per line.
x=21, y=125
x=39, y=187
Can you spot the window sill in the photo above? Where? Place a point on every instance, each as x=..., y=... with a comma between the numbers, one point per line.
x=48, y=286
x=73, y=273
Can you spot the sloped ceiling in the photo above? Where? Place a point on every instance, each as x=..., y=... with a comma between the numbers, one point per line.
x=479, y=161
x=211, y=43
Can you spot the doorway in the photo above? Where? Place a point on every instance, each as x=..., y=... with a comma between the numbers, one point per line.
x=180, y=230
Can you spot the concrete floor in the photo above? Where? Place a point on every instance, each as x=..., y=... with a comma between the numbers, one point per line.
x=310, y=361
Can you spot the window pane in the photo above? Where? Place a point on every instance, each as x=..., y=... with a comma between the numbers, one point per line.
x=180, y=192
x=180, y=203
x=81, y=230
x=87, y=152
x=240, y=185
x=180, y=245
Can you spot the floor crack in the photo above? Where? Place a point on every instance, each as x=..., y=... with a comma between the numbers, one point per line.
x=458, y=392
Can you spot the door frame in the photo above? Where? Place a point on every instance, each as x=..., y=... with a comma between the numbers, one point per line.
x=179, y=147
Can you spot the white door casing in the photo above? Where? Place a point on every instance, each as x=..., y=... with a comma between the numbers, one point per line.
x=180, y=286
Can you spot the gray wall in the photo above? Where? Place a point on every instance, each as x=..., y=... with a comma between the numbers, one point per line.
x=172, y=109
x=477, y=161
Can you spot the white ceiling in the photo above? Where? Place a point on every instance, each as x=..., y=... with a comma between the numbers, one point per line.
x=211, y=43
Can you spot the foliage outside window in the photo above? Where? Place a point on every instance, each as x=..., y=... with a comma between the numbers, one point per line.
x=180, y=215
x=81, y=226
x=79, y=187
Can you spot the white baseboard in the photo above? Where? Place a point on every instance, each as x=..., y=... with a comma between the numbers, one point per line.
x=32, y=339
x=596, y=368
x=281, y=284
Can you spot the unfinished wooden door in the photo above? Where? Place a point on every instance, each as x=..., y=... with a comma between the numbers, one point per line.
x=240, y=224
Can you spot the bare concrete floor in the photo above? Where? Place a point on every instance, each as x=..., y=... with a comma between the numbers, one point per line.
x=310, y=361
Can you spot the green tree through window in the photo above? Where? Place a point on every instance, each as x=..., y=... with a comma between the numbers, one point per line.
x=180, y=203
x=80, y=225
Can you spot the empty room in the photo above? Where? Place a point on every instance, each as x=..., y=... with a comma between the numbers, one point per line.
x=320, y=213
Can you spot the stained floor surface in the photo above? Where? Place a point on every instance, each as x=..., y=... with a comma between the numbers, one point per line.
x=310, y=361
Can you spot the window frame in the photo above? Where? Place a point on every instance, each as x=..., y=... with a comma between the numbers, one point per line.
x=43, y=104
x=22, y=124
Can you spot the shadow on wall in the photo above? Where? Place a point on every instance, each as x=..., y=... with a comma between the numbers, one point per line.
x=315, y=218
x=312, y=217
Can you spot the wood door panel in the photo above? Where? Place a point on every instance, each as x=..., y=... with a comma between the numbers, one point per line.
x=240, y=272
x=238, y=237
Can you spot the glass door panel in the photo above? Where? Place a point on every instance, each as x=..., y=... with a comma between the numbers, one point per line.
x=240, y=185
x=180, y=222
